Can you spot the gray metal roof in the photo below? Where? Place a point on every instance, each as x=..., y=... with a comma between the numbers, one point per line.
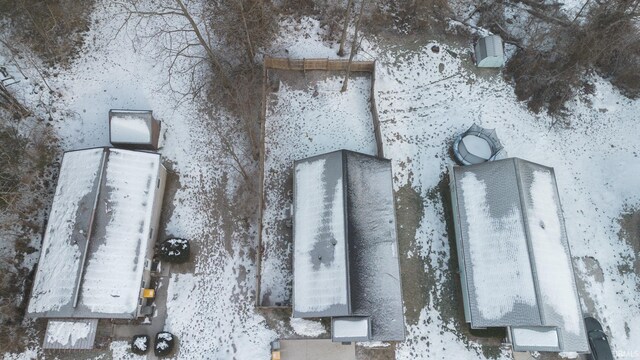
x=489, y=51
x=98, y=235
x=321, y=279
x=345, y=239
x=513, y=253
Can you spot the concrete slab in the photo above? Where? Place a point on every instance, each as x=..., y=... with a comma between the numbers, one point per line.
x=315, y=349
x=157, y=321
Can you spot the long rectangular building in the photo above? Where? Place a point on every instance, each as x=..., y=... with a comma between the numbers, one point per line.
x=346, y=262
x=514, y=257
x=99, y=238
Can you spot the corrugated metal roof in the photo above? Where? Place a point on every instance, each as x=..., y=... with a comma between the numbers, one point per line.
x=489, y=51
x=532, y=338
x=344, y=212
x=70, y=334
x=514, y=255
x=374, y=267
x=110, y=218
x=321, y=279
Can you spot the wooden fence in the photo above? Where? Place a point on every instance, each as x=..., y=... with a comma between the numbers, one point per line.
x=304, y=65
x=318, y=64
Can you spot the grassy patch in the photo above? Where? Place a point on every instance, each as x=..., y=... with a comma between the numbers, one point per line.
x=418, y=283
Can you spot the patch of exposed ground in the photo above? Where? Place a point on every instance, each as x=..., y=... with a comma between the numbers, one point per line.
x=376, y=353
x=630, y=233
x=416, y=280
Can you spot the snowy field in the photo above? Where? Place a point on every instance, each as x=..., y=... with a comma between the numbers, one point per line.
x=424, y=99
x=307, y=116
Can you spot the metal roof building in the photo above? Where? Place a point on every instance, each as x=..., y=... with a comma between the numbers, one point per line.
x=489, y=52
x=345, y=248
x=100, y=235
x=514, y=258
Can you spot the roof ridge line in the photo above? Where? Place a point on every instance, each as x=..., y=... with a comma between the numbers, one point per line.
x=101, y=176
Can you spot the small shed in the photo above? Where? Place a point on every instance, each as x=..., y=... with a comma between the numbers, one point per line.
x=513, y=254
x=134, y=129
x=345, y=250
x=489, y=52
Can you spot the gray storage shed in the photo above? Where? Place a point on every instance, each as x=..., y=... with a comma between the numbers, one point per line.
x=489, y=52
x=345, y=250
x=514, y=258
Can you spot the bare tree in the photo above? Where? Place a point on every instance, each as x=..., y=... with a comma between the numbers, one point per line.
x=345, y=27
x=190, y=37
x=354, y=47
x=9, y=102
x=205, y=43
x=245, y=26
x=557, y=50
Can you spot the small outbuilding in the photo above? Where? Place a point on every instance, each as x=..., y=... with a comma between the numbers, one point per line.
x=489, y=52
x=134, y=129
x=345, y=261
x=98, y=244
x=514, y=258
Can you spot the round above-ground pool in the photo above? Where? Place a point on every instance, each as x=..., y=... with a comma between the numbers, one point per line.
x=477, y=145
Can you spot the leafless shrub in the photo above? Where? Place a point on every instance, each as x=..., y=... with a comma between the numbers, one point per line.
x=52, y=28
x=26, y=157
x=245, y=26
x=23, y=161
x=543, y=79
x=410, y=15
x=548, y=69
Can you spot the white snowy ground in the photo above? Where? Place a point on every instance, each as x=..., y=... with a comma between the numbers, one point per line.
x=595, y=159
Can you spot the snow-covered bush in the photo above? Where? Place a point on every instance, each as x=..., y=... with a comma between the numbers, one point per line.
x=175, y=251
x=140, y=344
x=165, y=342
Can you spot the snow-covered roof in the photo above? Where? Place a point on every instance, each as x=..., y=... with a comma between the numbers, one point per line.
x=513, y=252
x=540, y=338
x=130, y=126
x=98, y=235
x=68, y=334
x=350, y=329
x=345, y=243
